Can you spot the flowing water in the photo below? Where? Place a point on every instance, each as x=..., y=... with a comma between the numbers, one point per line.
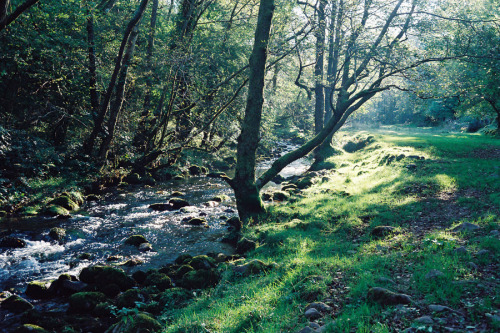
x=101, y=228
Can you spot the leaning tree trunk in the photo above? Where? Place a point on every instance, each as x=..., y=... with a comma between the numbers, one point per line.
x=246, y=192
x=5, y=19
x=116, y=106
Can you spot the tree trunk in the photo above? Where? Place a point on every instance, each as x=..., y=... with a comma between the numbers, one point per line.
x=116, y=106
x=246, y=191
x=5, y=19
x=89, y=144
x=319, y=107
x=94, y=97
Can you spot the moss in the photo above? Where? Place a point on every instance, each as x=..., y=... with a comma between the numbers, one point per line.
x=65, y=202
x=179, y=273
x=105, y=275
x=28, y=211
x=54, y=210
x=202, y=262
x=85, y=301
x=160, y=280
x=140, y=323
x=128, y=298
x=16, y=304
x=182, y=258
x=200, y=279
x=136, y=240
x=38, y=289
x=76, y=196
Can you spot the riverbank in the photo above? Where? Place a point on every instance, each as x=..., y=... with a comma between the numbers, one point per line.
x=415, y=213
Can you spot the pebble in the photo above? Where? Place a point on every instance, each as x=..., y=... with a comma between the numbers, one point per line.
x=313, y=314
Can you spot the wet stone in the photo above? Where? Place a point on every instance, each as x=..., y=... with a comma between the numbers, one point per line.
x=12, y=242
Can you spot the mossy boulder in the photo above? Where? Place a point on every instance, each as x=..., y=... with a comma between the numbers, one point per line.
x=30, y=328
x=289, y=187
x=182, y=258
x=178, y=203
x=179, y=273
x=133, y=178
x=57, y=234
x=76, y=196
x=12, y=242
x=245, y=245
x=85, y=302
x=54, y=210
x=305, y=182
x=65, y=202
x=16, y=304
x=136, y=240
x=140, y=323
x=28, y=211
x=200, y=279
x=38, y=289
x=253, y=267
x=101, y=276
x=128, y=298
x=159, y=280
x=202, y=262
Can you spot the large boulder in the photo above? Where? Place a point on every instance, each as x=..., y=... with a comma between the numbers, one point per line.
x=202, y=262
x=102, y=276
x=16, y=304
x=55, y=210
x=85, y=301
x=65, y=202
x=57, y=234
x=200, y=279
x=12, y=242
x=136, y=240
x=159, y=280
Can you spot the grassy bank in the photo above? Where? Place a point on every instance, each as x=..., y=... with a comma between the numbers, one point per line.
x=327, y=248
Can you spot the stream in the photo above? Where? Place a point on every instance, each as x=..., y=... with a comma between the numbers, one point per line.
x=100, y=229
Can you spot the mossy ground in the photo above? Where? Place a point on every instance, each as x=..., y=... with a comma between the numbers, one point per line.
x=322, y=244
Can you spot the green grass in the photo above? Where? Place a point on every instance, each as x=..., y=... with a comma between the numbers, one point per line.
x=323, y=249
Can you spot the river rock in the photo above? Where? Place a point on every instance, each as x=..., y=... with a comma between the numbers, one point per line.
x=189, y=210
x=197, y=221
x=136, y=240
x=382, y=231
x=12, y=242
x=200, y=279
x=221, y=198
x=202, y=262
x=160, y=207
x=57, y=234
x=183, y=258
x=320, y=306
x=106, y=275
x=289, y=187
x=160, y=280
x=177, y=194
x=16, y=304
x=195, y=170
x=231, y=239
x=178, y=203
x=313, y=314
x=84, y=302
x=133, y=262
x=56, y=211
x=38, y=289
x=386, y=297
x=466, y=227
x=245, y=245
x=181, y=271
x=145, y=247
x=128, y=298
x=211, y=204
x=65, y=202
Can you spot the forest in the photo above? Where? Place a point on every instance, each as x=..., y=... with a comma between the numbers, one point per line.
x=249, y=166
